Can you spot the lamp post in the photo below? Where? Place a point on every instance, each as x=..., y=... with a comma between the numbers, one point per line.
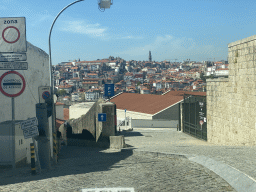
x=102, y=4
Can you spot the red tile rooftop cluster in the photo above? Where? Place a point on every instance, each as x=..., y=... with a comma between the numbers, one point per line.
x=141, y=77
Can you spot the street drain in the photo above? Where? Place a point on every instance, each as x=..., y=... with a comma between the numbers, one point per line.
x=147, y=135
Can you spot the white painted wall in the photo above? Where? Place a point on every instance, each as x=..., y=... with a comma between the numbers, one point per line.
x=146, y=123
x=59, y=111
x=120, y=113
x=36, y=75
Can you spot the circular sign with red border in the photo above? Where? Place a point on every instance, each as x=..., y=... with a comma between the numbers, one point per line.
x=12, y=84
x=46, y=95
x=15, y=34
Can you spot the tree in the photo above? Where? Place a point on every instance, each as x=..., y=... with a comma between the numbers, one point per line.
x=202, y=77
x=61, y=92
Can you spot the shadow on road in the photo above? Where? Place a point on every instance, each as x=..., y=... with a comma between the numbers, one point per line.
x=72, y=160
x=129, y=133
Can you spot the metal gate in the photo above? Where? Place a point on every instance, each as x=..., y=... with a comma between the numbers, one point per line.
x=194, y=116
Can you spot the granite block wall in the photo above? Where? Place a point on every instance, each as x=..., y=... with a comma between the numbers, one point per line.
x=231, y=109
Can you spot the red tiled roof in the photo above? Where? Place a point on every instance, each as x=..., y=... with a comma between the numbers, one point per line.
x=221, y=69
x=144, y=103
x=64, y=86
x=93, y=82
x=59, y=122
x=181, y=93
x=59, y=103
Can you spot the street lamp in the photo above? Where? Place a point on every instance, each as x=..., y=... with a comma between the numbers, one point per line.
x=102, y=5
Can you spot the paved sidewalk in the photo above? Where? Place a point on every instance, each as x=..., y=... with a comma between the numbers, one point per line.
x=85, y=168
x=235, y=164
x=155, y=160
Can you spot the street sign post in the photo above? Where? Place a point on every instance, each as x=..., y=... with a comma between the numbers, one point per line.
x=109, y=90
x=13, y=66
x=12, y=41
x=46, y=95
x=31, y=122
x=12, y=84
x=13, y=57
x=102, y=117
x=13, y=34
x=30, y=130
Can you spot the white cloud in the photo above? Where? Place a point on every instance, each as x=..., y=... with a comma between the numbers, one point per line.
x=94, y=30
x=129, y=37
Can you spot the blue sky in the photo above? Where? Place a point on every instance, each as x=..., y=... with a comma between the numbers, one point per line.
x=186, y=29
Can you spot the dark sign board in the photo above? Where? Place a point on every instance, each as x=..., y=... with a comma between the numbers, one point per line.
x=109, y=90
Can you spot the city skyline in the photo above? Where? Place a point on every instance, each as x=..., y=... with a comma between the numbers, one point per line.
x=195, y=30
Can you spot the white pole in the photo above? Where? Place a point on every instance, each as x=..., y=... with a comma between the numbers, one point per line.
x=125, y=119
x=13, y=134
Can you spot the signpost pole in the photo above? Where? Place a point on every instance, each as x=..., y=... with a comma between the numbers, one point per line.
x=13, y=134
x=125, y=119
x=13, y=41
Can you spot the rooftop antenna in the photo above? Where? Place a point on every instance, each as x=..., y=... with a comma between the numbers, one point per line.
x=104, y=4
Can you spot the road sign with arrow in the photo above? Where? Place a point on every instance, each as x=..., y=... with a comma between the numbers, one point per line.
x=102, y=117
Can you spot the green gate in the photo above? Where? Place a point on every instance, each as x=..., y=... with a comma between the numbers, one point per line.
x=194, y=116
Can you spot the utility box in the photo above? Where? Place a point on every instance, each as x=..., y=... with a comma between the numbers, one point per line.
x=41, y=114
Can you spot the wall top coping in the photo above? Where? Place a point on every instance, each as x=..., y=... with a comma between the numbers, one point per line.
x=217, y=80
x=107, y=103
x=245, y=40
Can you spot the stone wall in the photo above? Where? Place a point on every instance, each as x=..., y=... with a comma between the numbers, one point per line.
x=88, y=120
x=231, y=112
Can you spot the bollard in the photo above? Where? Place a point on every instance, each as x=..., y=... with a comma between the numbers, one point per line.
x=33, y=162
x=55, y=151
x=177, y=127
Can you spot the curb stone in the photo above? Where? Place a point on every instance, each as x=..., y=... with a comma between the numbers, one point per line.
x=238, y=180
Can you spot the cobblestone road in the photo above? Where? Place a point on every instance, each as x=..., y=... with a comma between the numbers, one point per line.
x=81, y=167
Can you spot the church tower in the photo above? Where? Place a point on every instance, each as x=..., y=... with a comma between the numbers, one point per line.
x=149, y=57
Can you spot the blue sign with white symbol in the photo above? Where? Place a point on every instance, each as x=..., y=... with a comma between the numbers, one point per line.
x=102, y=116
x=109, y=90
x=46, y=95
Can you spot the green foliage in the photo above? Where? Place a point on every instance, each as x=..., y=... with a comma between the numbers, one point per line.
x=206, y=77
x=202, y=77
x=61, y=92
x=211, y=76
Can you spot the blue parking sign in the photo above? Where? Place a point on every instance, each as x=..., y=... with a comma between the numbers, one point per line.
x=102, y=117
x=109, y=90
